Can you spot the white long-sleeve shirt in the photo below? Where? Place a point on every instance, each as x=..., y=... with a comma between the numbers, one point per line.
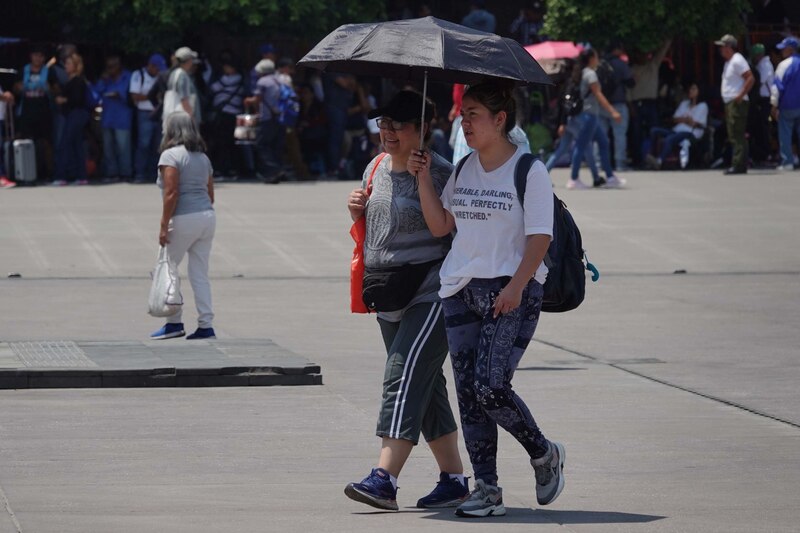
x=767, y=74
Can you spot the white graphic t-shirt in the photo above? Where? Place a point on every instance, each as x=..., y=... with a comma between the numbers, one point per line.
x=491, y=226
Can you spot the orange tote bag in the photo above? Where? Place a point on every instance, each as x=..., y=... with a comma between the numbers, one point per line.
x=358, y=231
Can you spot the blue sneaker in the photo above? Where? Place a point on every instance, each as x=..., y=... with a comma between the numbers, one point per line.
x=169, y=331
x=447, y=493
x=376, y=490
x=202, y=333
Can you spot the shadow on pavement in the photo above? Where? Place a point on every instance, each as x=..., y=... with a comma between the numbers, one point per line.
x=524, y=515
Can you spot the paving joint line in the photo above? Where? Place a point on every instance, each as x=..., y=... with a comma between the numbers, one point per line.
x=10, y=511
x=242, y=277
x=694, y=392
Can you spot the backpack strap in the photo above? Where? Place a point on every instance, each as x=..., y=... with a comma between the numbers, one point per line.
x=374, y=169
x=524, y=164
x=460, y=165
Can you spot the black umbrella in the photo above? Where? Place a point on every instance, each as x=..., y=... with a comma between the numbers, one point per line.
x=423, y=49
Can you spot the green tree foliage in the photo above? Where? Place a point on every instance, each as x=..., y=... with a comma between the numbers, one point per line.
x=643, y=24
x=142, y=25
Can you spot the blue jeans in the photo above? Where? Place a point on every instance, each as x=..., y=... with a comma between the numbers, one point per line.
x=117, y=152
x=620, y=133
x=671, y=139
x=71, y=151
x=59, y=125
x=147, y=142
x=564, y=145
x=646, y=118
x=788, y=122
x=485, y=352
x=604, y=149
x=586, y=134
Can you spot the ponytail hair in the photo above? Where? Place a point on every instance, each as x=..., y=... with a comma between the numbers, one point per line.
x=584, y=58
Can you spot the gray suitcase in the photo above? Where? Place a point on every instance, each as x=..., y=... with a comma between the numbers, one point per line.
x=24, y=161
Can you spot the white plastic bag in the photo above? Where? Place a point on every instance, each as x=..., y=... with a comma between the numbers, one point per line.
x=165, y=292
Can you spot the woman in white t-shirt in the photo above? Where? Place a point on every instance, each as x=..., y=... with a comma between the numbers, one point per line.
x=492, y=289
x=690, y=121
x=188, y=221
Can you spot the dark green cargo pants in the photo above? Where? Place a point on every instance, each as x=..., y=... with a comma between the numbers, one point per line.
x=414, y=386
x=736, y=123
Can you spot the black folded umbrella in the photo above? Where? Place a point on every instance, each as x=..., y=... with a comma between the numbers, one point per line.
x=424, y=49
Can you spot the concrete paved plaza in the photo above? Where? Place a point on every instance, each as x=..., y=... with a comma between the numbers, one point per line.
x=676, y=394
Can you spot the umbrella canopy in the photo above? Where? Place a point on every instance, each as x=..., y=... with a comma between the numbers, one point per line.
x=553, y=50
x=425, y=48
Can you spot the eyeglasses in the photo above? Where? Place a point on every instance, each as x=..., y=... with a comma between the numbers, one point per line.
x=389, y=124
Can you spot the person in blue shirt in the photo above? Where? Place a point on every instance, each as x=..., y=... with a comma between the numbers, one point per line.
x=116, y=120
x=785, y=98
x=270, y=134
x=478, y=18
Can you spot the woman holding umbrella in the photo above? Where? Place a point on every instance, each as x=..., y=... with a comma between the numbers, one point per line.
x=400, y=250
x=492, y=288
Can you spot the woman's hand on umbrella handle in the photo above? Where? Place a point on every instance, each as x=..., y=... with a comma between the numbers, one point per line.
x=419, y=164
x=356, y=203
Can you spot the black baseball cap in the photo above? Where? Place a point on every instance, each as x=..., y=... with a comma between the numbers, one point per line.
x=405, y=106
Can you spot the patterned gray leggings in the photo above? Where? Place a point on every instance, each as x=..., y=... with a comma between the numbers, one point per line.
x=485, y=352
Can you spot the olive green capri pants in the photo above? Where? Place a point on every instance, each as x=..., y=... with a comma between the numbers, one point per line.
x=414, y=386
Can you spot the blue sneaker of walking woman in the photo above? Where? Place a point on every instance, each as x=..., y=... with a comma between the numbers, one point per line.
x=202, y=333
x=448, y=493
x=169, y=331
x=376, y=490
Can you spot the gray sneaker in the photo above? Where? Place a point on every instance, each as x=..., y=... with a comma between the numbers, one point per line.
x=485, y=500
x=549, y=470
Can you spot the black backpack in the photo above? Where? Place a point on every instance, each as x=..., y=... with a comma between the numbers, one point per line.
x=572, y=102
x=565, y=286
x=607, y=78
x=755, y=90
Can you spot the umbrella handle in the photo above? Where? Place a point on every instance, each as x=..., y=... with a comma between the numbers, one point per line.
x=422, y=118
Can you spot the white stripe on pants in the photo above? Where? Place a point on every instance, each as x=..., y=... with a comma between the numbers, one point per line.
x=193, y=233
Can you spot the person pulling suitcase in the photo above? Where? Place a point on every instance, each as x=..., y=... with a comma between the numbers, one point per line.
x=6, y=137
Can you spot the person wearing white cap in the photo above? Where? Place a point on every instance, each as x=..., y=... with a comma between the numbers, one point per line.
x=737, y=80
x=181, y=92
x=269, y=136
x=785, y=98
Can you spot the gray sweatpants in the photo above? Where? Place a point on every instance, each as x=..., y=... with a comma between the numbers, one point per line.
x=414, y=386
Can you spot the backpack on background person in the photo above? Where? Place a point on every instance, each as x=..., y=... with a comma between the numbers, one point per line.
x=607, y=78
x=572, y=101
x=288, y=106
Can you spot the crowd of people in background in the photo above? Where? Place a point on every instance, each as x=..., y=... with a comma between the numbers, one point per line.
x=263, y=123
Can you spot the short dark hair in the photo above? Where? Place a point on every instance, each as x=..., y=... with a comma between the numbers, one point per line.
x=616, y=44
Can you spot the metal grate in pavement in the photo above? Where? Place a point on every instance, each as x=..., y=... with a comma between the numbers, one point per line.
x=51, y=354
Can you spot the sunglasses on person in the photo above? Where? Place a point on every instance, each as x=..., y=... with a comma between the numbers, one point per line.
x=389, y=124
